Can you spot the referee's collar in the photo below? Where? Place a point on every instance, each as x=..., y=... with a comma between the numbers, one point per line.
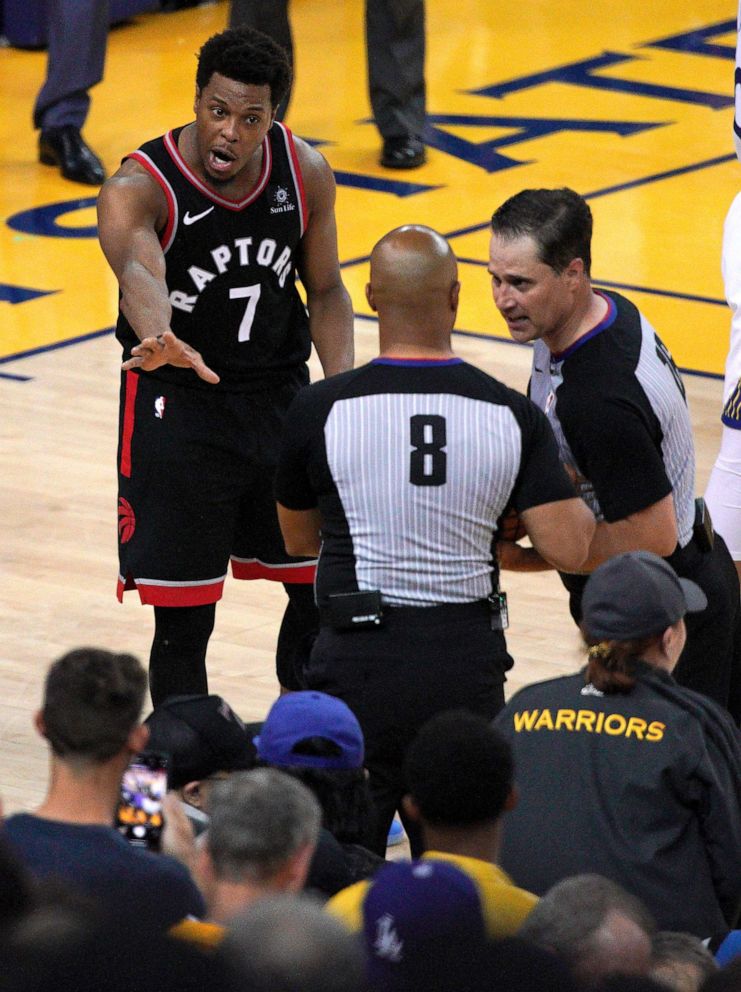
x=606, y=321
x=417, y=363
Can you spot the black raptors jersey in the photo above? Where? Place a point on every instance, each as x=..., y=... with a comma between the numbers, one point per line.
x=231, y=267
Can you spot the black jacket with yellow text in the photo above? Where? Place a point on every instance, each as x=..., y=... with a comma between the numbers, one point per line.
x=643, y=788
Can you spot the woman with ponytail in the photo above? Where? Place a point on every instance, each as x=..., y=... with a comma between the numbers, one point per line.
x=621, y=771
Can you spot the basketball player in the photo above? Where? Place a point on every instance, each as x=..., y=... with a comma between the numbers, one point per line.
x=405, y=466
x=723, y=494
x=205, y=229
x=617, y=405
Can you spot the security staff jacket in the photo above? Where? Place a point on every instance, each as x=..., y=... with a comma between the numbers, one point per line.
x=643, y=788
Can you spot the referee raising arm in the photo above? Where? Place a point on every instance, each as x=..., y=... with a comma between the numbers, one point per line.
x=399, y=471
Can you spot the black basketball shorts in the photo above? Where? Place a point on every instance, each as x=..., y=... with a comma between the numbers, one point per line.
x=195, y=474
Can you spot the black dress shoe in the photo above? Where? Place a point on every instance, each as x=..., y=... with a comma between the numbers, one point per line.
x=403, y=153
x=66, y=148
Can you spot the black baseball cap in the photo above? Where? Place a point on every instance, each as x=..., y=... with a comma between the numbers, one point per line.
x=202, y=735
x=637, y=594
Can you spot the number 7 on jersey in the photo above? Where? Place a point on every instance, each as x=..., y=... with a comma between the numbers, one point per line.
x=252, y=295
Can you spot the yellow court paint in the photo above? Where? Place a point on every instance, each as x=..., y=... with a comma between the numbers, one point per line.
x=629, y=104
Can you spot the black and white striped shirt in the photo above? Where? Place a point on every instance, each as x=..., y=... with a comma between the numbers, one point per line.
x=411, y=463
x=617, y=406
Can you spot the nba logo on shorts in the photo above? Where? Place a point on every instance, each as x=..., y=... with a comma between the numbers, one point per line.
x=159, y=407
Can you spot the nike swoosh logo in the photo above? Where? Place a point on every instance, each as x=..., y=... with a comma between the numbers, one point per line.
x=187, y=219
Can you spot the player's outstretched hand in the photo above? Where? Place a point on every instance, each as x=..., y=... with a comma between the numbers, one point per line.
x=166, y=349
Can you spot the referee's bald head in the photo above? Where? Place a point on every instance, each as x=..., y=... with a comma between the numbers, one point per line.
x=414, y=276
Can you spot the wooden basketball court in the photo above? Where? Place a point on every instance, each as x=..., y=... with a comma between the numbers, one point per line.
x=633, y=111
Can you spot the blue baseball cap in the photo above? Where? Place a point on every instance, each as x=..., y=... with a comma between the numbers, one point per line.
x=726, y=947
x=298, y=721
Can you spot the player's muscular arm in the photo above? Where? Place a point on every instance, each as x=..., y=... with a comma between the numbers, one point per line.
x=328, y=302
x=131, y=209
x=651, y=529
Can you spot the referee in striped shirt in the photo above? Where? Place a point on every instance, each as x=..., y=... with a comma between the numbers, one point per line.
x=618, y=409
x=398, y=472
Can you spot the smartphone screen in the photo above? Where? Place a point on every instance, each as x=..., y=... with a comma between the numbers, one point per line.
x=143, y=787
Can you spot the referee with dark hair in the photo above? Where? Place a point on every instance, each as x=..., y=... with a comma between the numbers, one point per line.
x=398, y=472
x=618, y=409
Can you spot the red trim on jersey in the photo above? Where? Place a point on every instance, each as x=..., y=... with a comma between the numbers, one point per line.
x=172, y=207
x=222, y=201
x=123, y=586
x=299, y=573
x=132, y=384
x=298, y=178
x=175, y=595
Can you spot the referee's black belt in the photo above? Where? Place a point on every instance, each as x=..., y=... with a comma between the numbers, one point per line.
x=357, y=611
x=442, y=610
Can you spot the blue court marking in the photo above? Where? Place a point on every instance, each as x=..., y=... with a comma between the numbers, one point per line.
x=696, y=42
x=682, y=170
x=631, y=184
x=631, y=287
x=669, y=293
x=395, y=187
x=42, y=349
x=16, y=378
x=461, y=232
x=22, y=294
x=521, y=344
x=584, y=73
x=42, y=221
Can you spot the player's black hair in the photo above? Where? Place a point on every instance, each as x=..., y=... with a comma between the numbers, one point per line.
x=558, y=220
x=92, y=702
x=459, y=770
x=250, y=57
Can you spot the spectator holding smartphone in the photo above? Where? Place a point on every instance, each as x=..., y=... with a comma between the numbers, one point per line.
x=90, y=718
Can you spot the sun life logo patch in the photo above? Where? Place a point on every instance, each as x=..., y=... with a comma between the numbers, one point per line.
x=283, y=201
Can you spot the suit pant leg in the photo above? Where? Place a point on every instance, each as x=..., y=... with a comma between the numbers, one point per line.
x=270, y=17
x=78, y=34
x=711, y=660
x=395, y=42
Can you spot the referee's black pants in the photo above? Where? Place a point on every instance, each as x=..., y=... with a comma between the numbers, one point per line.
x=419, y=662
x=711, y=660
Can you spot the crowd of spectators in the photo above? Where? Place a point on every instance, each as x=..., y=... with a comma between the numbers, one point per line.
x=236, y=897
